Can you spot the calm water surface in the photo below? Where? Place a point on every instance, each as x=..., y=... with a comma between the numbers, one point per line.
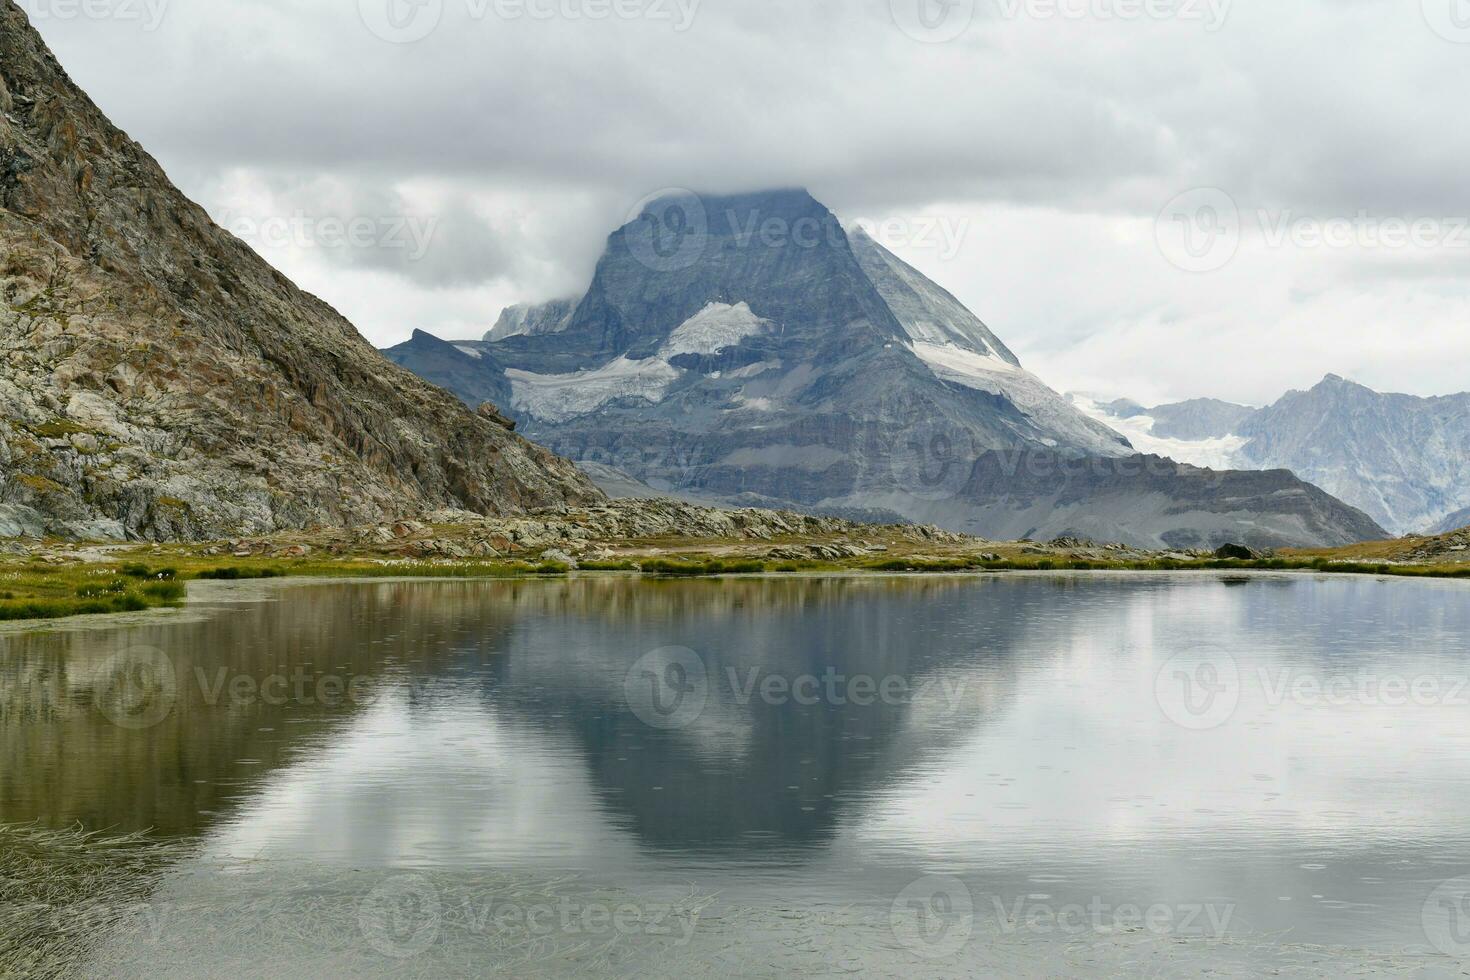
x=971, y=776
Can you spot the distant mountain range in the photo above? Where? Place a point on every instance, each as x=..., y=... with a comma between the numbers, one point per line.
x=748, y=349
x=161, y=381
x=1402, y=459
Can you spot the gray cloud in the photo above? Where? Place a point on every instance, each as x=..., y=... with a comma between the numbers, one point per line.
x=526, y=140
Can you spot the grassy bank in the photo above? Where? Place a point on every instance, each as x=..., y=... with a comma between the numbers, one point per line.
x=39, y=590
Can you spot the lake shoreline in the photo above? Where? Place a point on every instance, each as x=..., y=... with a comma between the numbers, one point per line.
x=206, y=593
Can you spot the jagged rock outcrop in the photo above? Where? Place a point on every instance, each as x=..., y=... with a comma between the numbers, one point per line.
x=159, y=380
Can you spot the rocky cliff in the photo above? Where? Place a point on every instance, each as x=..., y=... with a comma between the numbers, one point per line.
x=160, y=380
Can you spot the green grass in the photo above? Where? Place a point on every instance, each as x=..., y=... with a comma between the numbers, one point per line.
x=143, y=571
x=710, y=566
x=234, y=573
x=18, y=609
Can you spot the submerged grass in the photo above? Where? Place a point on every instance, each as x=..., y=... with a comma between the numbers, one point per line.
x=74, y=904
x=63, y=892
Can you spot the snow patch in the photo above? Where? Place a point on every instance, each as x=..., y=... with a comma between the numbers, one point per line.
x=951, y=363
x=1048, y=411
x=755, y=404
x=470, y=351
x=558, y=397
x=1216, y=454
x=713, y=329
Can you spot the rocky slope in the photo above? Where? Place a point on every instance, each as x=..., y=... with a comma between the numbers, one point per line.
x=1458, y=521
x=1404, y=460
x=749, y=350
x=161, y=381
x=1149, y=502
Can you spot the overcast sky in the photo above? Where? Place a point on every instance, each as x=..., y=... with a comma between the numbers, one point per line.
x=1152, y=198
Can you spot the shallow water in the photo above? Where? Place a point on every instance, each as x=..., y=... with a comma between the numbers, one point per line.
x=939, y=776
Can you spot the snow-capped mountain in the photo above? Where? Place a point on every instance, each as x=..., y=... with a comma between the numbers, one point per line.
x=748, y=349
x=1404, y=460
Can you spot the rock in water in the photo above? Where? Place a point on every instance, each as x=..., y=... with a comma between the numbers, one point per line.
x=162, y=381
